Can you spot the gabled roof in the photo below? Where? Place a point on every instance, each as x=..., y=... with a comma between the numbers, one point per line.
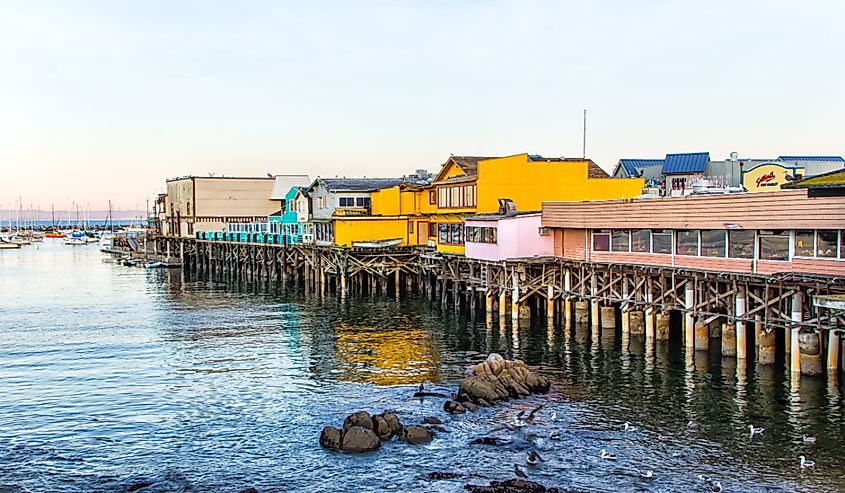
x=695, y=162
x=823, y=159
x=632, y=167
x=467, y=164
x=356, y=184
x=283, y=183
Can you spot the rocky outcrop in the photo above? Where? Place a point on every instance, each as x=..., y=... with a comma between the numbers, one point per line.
x=359, y=439
x=497, y=379
x=453, y=407
x=510, y=486
x=415, y=435
x=361, y=432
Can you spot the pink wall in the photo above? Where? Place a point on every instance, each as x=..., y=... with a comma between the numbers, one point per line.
x=518, y=237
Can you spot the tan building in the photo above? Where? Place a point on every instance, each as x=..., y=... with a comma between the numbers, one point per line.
x=202, y=203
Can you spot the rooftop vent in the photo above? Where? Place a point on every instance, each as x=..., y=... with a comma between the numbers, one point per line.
x=507, y=207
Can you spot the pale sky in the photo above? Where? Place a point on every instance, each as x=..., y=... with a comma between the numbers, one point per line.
x=105, y=100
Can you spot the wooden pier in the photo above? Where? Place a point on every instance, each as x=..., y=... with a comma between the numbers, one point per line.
x=741, y=316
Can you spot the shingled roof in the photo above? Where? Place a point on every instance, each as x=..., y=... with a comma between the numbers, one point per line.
x=357, y=184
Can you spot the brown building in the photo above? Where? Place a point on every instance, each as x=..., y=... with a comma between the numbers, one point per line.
x=202, y=203
x=761, y=233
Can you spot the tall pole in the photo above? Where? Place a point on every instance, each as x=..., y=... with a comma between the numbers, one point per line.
x=584, y=143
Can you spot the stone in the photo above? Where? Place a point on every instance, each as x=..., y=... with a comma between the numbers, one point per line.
x=360, y=418
x=358, y=439
x=444, y=475
x=392, y=422
x=482, y=402
x=249, y=490
x=381, y=428
x=469, y=406
x=453, y=407
x=510, y=486
x=438, y=428
x=331, y=438
x=431, y=420
x=496, y=363
x=415, y=435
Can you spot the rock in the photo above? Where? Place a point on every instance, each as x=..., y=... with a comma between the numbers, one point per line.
x=469, y=406
x=415, y=435
x=453, y=407
x=392, y=422
x=489, y=441
x=510, y=486
x=444, y=475
x=483, y=403
x=249, y=490
x=330, y=438
x=431, y=420
x=480, y=387
x=498, y=379
x=381, y=428
x=359, y=439
x=360, y=418
x=439, y=428
x=496, y=363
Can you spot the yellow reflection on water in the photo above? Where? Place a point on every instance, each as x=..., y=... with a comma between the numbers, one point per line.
x=398, y=356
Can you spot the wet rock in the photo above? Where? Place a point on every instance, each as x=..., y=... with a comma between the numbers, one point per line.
x=483, y=403
x=415, y=435
x=249, y=490
x=330, y=438
x=358, y=439
x=488, y=441
x=444, y=475
x=469, y=406
x=137, y=485
x=438, y=428
x=510, y=486
x=497, y=379
x=453, y=407
x=360, y=418
x=429, y=394
x=431, y=420
x=392, y=422
x=381, y=428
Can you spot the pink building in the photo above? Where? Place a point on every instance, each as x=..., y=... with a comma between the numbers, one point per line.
x=502, y=236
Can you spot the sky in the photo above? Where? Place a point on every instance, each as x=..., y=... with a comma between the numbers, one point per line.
x=105, y=100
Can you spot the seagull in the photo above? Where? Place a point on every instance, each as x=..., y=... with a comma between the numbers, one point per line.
x=805, y=463
x=607, y=456
x=704, y=478
x=533, y=412
x=755, y=431
x=518, y=472
x=421, y=387
x=628, y=427
x=716, y=487
x=647, y=474
x=809, y=439
x=554, y=435
x=554, y=416
x=692, y=425
x=533, y=458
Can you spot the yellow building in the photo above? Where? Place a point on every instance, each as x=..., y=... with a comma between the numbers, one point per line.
x=766, y=177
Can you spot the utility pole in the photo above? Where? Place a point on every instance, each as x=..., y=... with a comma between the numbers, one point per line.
x=584, y=143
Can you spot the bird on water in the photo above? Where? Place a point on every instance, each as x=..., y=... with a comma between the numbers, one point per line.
x=805, y=463
x=533, y=458
x=554, y=435
x=628, y=427
x=519, y=473
x=607, y=456
x=755, y=430
x=692, y=425
x=716, y=487
x=809, y=439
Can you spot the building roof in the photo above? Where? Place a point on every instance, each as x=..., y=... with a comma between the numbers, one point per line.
x=284, y=183
x=496, y=216
x=821, y=159
x=832, y=179
x=357, y=184
x=695, y=162
x=632, y=167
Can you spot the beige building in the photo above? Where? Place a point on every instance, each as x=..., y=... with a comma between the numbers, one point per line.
x=202, y=203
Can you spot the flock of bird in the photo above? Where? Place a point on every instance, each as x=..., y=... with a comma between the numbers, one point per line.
x=533, y=458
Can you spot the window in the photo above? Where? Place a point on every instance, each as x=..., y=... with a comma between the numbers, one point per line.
x=601, y=240
x=686, y=242
x=774, y=245
x=411, y=227
x=641, y=240
x=741, y=244
x=450, y=233
x=432, y=230
x=321, y=203
x=347, y=201
x=620, y=241
x=826, y=243
x=805, y=243
x=443, y=197
x=432, y=197
x=544, y=231
x=661, y=241
x=188, y=209
x=481, y=234
x=842, y=244
x=362, y=201
x=457, y=196
x=713, y=243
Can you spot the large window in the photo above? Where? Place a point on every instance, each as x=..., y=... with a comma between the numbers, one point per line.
x=450, y=233
x=481, y=234
x=826, y=243
x=601, y=240
x=842, y=244
x=347, y=201
x=456, y=197
x=620, y=240
x=774, y=245
x=686, y=242
x=741, y=243
x=661, y=241
x=713, y=243
x=641, y=240
x=805, y=243
x=362, y=201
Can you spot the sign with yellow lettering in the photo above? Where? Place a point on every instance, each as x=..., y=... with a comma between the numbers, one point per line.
x=769, y=176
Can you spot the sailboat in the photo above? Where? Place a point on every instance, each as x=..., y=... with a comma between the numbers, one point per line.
x=54, y=232
x=107, y=237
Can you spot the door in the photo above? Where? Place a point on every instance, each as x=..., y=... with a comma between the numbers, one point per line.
x=422, y=233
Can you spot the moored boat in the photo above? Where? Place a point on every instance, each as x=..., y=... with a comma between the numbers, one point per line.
x=377, y=243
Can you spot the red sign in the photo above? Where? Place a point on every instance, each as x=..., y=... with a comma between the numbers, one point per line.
x=766, y=178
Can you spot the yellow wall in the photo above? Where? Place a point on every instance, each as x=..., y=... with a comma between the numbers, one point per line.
x=385, y=202
x=371, y=228
x=529, y=183
x=396, y=202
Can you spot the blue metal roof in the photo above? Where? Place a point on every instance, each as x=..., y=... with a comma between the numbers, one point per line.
x=695, y=162
x=632, y=167
x=825, y=159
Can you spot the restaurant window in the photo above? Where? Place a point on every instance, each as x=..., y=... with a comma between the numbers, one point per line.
x=641, y=241
x=661, y=241
x=805, y=243
x=686, y=242
x=601, y=240
x=713, y=243
x=826, y=243
x=741, y=243
x=774, y=245
x=620, y=240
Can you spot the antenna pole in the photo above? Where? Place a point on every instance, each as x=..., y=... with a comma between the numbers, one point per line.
x=584, y=143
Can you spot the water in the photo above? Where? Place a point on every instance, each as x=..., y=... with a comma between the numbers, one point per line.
x=112, y=378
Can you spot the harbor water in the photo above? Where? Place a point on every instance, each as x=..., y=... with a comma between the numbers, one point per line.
x=124, y=379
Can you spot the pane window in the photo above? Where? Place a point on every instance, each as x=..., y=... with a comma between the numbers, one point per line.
x=686, y=242
x=410, y=226
x=842, y=244
x=804, y=243
x=661, y=241
x=432, y=198
x=601, y=240
x=826, y=243
x=713, y=243
x=443, y=233
x=359, y=201
x=432, y=229
x=456, y=236
x=455, y=197
x=641, y=240
x=620, y=241
x=442, y=199
x=741, y=244
x=774, y=245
